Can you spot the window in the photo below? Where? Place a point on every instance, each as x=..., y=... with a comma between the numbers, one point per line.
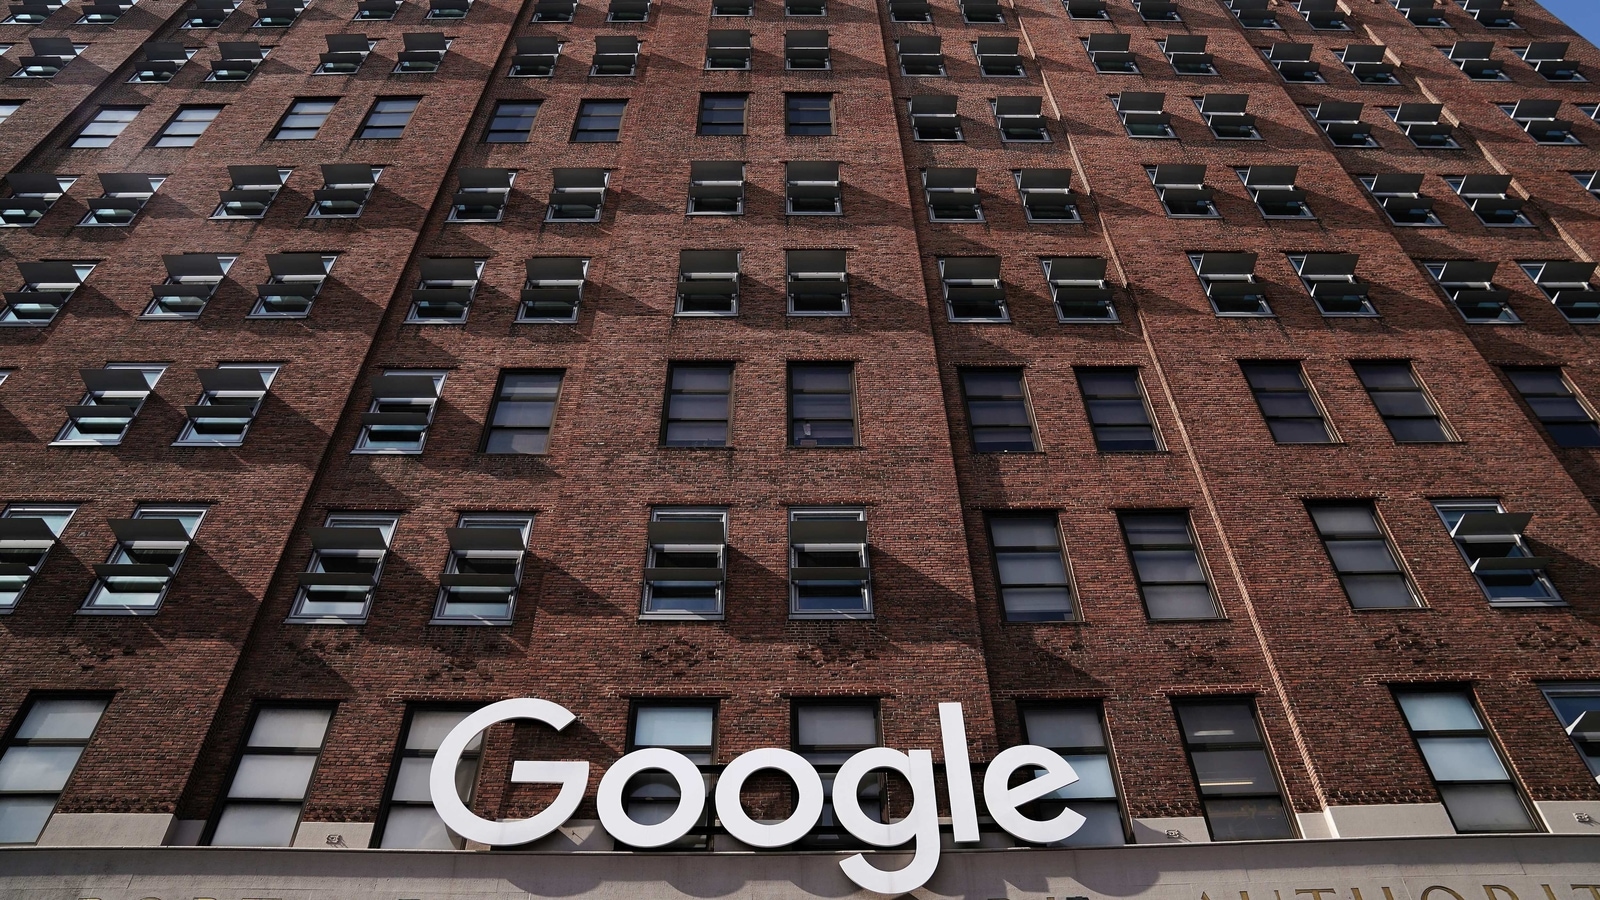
x=483, y=197
x=719, y=114
x=346, y=188
x=1578, y=708
x=115, y=396
x=1420, y=13
x=1323, y=15
x=209, y=13
x=628, y=11
x=304, y=119
x=125, y=195
x=1230, y=283
x=652, y=795
x=1109, y=54
x=716, y=188
x=536, y=56
x=599, y=121
x=1472, y=779
x=1474, y=58
x=828, y=571
x=1330, y=279
x=1400, y=195
x=934, y=118
x=408, y=820
x=1183, y=191
x=1225, y=115
x=39, y=759
x=150, y=548
x=1539, y=118
x=271, y=777
x=403, y=404
x=1565, y=415
x=1470, y=287
x=522, y=413
x=708, y=283
x=1253, y=14
x=46, y=287
x=230, y=397
x=1273, y=190
x=1119, y=414
x=553, y=290
x=387, y=119
x=1490, y=13
x=1549, y=59
x=423, y=54
x=577, y=195
x=1287, y=403
x=697, y=406
x=827, y=733
x=483, y=572
x=1341, y=122
x=1365, y=561
x=1402, y=401
x=32, y=195
x=162, y=60
x=1142, y=114
x=296, y=280
x=818, y=283
x=445, y=292
x=50, y=56
x=920, y=55
x=1077, y=732
x=1020, y=120
x=512, y=122
x=998, y=57
x=952, y=195
x=1369, y=63
x=8, y=108
x=1421, y=123
x=1486, y=196
x=1187, y=54
x=237, y=61
x=346, y=563
x=686, y=566
x=1047, y=195
x=1238, y=787
x=972, y=289
x=615, y=55
x=997, y=410
x=822, y=405
x=32, y=12
x=728, y=49
x=191, y=280
x=1294, y=63
x=1030, y=568
x=808, y=114
x=1492, y=543
x=812, y=188
x=806, y=50
x=27, y=532
x=1078, y=288
x=108, y=122
x=251, y=192
x=1566, y=284
x=346, y=53
x=1166, y=562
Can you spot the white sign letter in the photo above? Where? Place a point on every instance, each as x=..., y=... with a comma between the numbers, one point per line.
x=808, y=785
x=572, y=776
x=920, y=825
x=1003, y=801
x=691, y=798
x=958, y=773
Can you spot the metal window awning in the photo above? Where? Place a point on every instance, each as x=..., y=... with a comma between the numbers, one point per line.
x=298, y=266
x=335, y=580
x=1484, y=186
x=441, y=301
x=1458, y=271
x=25, y=533
x=1075, y=270
x=828, y=531
x=127, y=184
x=349, y=540
x=1565, y=273
x=1329, y=265
x=115, y=381
x=61, y=276
x=219, y=414
x=150, y=533
x=193, y=267
x=1141, y=102
x=1178, y=176
x=1397, y=184
x=233, y=382
x=1226, y=265
x=463, y=580
x=498, y=541
x=688, y=533
x=1265, y=178
x=404, y=387
x=827, y=573
x=566, y=271
x=684, y=575
x=1045, y=181
x=349, y=175
x=816, y=264
x=1477, y=525
x=103, y=412
x=247, y=178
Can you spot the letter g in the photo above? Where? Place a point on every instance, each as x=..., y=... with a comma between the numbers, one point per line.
x=572, y=776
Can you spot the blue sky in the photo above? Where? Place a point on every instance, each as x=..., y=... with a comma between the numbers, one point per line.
x=1582, y=15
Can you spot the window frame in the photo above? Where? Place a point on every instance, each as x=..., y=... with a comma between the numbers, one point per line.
x=243, y=748
x=1027, y=405
x=278, y=130
x=789, y=124
x=1448, y=435
x=1549, y=595
x=1193, y=546
x=1310, y=391
x=367, y=124
x=520, y=521
x=26, y=510
x=701, y=108
x=494, y=404
x=1552, y=690
x=63, y=438
x=586, y=108
x=669, y=392
x=1144, y=400
x=701, y=837
x=119, y=555
x=357, y=519
x=830, y=513
x=1482, y=731
x=1381, y=532
x=12, y=740
x=187, y=435
x=82, y=133
x=1261, y=743
x=473, y=752
x=836, y=837
x=1571, y=394
x=793, y=392
x=1074, y=611
x=719, y=590
x=1096, y=706
x=495, y=115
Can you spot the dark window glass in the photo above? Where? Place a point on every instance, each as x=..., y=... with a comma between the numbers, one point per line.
x=186, y=126
x=1030, y=568
x=388, y=118
x=722, y=113
x=1362, y=556
x=1401, y=401
x=512, y=121
x=520, y=418
x=822, y=405
x=599, y=121
x=1472, y=779
x=997, y=408
x=1238, y=786
x=809, y=114
x=1286, y=403
x=1557, y=405
x=827, y=734
x=1167, y=564
x=1076, y=731
x=698, y=405
x=1118, y=414
x=303, y=120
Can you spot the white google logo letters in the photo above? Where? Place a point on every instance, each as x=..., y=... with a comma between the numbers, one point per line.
x=920, y=827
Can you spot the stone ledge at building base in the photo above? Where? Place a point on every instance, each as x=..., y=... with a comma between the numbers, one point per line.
x=1498, y=867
